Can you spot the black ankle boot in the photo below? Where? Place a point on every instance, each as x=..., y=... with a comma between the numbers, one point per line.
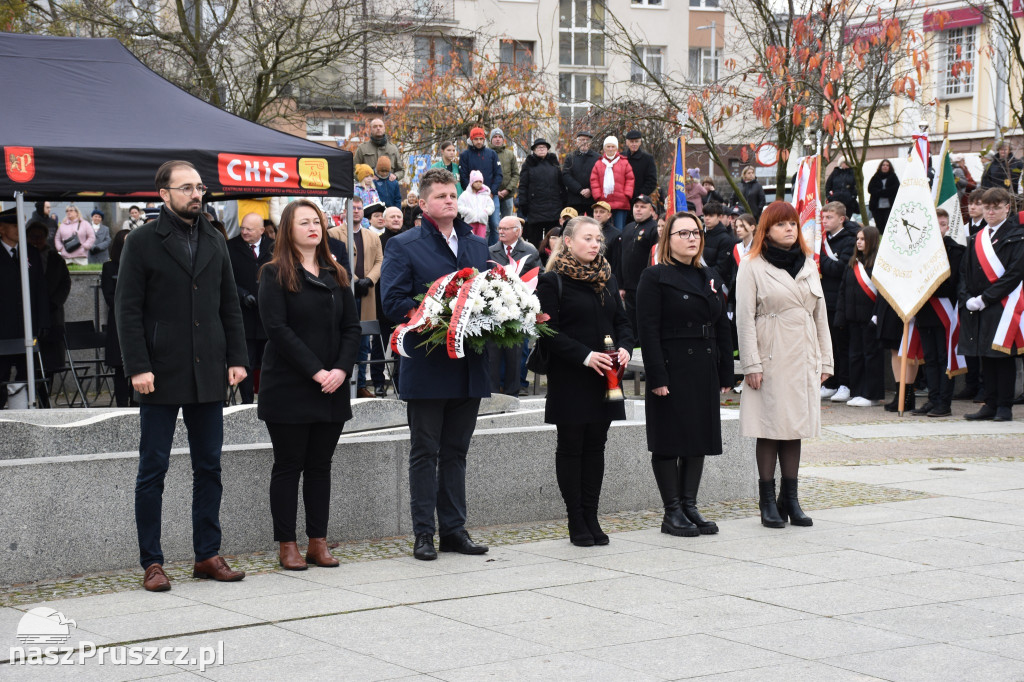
x=568, y=473
x=769, y=510
x=893, y=405
x=690, y=471
x=789, y=504
x=579, y=534
x=666, y=473
x=594, y=526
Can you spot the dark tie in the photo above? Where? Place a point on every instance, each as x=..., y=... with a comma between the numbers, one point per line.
x=14, y=252
x=253, y=247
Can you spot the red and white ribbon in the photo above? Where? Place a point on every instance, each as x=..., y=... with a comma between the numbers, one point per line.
x=1009, y=331
x=915, y=351
x=864, y=280
x=419, y=317
x=950, y=318
x=456, y=338
x=828, y=248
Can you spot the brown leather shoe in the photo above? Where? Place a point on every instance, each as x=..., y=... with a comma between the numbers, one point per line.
x=290, y=558
x=365, y=393
x=156, y=580
x=319, y=555
x=216, y=568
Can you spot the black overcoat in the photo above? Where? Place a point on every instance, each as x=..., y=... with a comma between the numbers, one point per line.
x=843, y=244
x=978, y=329
x=581, y=317
x=542, y=193
x=687, y=346
x=246, y=270
x=926, y=316
x=314, y=328
x=645, y=172
x=179, y=321
x=12, y=321
x=108, y=285
x=576, y=169
x=852, y=303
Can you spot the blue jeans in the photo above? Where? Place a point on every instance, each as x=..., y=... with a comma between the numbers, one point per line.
x=492, y=222
x=205, y=425
x=619, y=217
x=506, y=206
x=370, y=347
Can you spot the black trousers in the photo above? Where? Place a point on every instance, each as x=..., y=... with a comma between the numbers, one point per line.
x=440, y=430
x=630, y=304
x=867, y=362
x=536, y=229
x=973, y=377
x=302, y=450
x=124, y=395
x=998, y=378
x=840, y=353
x=246, y=388
x=7, y=363
x=579, y=464
x=205, y=425
x=940, y=386
x=504, y=367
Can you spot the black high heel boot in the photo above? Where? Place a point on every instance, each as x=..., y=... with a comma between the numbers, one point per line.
x=567, y=471
x=690, y=471
x=769, y=510
x=789, y=504
x=893, y=405
x=666, y=473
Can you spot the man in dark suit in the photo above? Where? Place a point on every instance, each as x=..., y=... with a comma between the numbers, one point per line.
x=645, y=172
x=443, y=394
x=249, y=251
x=183, y=342
x=505, y=363
x=576, y=169
x=12, y=321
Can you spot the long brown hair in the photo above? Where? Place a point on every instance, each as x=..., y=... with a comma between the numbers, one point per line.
x=871, y=239
x=773, y=214
x=287, y=259
x=665, y=238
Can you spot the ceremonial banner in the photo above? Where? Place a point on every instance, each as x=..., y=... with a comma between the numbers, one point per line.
x=911, y=260
x=807, y=201
x=947, y=198
x=676, y=199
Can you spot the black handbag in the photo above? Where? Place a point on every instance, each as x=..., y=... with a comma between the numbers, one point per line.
x=539, y=360
x=72, y=243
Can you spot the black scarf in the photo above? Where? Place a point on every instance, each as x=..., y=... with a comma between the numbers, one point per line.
x=381, y=141
x=791, y=260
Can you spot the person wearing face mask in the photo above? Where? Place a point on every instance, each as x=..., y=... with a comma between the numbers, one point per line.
x=578, y=291
x=785, y=354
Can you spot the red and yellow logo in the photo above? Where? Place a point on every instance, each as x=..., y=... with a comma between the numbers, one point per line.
x=276, y=172
x=20, y=163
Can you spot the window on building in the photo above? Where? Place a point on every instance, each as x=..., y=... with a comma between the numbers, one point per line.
x=704, y=3
x=577, y=92
x=647, y=64
x=648, y=3
x=516, y=53
x=704, y=69
x=321, y=128
x=442, y=54
x=581, y=33
x=959, y=50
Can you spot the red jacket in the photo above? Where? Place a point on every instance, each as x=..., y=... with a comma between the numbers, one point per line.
x=619, y=198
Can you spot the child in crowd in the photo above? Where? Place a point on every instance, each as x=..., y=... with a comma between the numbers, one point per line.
x=856, y=309
x=387, y=189
x=476, y=204
x=933, y=323
x=365, y=188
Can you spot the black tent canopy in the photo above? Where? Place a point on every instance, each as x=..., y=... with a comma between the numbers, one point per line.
x=86, y=119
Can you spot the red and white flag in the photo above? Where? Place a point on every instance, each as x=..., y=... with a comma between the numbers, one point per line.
x=807, y=200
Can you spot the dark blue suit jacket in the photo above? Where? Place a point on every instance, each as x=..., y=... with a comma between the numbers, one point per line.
x=412, y=261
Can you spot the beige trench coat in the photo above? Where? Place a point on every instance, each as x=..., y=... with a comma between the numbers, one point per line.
x=783, y=333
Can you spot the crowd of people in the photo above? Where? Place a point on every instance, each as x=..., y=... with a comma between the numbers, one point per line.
x=280, y=313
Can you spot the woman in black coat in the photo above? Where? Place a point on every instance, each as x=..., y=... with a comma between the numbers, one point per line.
x=857, y=308
x=580, y=294
x=542, y=193
x=882, y=189
x=752, y=191
x=313, y=331
x=687, y=346
x=123, y=393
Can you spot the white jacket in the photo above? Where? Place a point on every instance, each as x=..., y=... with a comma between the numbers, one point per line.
x=476, y=207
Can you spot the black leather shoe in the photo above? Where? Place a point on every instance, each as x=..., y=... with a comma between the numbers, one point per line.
x=940, y=411
x=424, y=547
x=460, y=542
x=924, y=409
x=984, y=414
x=1003, y=414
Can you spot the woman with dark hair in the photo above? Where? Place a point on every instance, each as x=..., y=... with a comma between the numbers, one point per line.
x=687, y=347
x=313, y=332
x=857, y=309
x=752, y=191
x=882, y=190
x=549, y=244
x=580, y=294
x=542, y=193
x=123, y=393
x=785, y=352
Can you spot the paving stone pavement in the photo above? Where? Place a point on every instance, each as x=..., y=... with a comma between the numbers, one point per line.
x=912, y=571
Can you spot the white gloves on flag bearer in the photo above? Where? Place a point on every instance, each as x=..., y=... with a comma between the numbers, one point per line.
x=975, y=304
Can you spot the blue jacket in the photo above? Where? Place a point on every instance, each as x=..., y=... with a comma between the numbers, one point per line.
x=412, y=261
x=484, y=160
x=389, y=192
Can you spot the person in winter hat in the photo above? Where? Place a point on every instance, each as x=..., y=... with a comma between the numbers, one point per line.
x=612, y=180
x=476, y=204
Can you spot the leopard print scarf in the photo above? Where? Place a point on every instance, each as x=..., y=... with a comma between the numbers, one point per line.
x=596, y=274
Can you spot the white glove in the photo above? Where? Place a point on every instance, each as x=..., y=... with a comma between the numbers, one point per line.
x=975, y=304
x=874, y=320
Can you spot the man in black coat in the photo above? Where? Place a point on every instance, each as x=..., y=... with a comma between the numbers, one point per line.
x=645, y=172
x=576, y=173
x=718, y=241
x=183, y=342
x=612, y=235
x=982, y=297
x=638, y=238
x=12, y=322
x=250, y=251
x=837, y=246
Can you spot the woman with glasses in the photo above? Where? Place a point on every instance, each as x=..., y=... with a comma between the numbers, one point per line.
x=687, y=347
x=785, y=351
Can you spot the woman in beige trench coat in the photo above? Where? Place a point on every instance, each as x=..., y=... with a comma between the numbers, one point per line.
x=785, y=352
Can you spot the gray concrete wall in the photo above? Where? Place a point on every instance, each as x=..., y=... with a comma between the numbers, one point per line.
x=70, y=514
